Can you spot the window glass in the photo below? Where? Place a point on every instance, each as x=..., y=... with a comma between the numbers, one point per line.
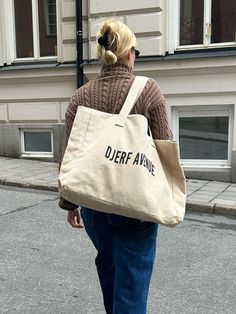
x=223, y=21
x=191, y=22
x=47, y=27
x=203, y=137
x=37, y=141
x=23, y=28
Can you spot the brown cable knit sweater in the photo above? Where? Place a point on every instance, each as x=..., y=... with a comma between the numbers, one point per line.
x=107, y=93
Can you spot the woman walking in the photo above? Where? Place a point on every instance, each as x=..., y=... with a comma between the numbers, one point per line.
x=125, y=246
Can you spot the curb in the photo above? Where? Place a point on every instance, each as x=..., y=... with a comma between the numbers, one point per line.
x=211, y=208
x=29, y=185
x=200, y=206
x=225, y=209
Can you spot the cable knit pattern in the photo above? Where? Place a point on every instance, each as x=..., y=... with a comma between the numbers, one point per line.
x=108, y=93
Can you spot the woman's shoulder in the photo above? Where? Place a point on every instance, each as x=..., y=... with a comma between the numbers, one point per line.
x=151, y=89
x=77, y=99
x=153, y=84
x=85, y=87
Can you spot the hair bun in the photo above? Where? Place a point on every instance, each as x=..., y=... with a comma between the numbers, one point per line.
x=109, y=57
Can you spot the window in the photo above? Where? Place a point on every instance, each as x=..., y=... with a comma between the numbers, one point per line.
x=191, y=22
x=35, y=28
x=207, y=23
x=37, y=142
x=204, y=135
x=51, y=18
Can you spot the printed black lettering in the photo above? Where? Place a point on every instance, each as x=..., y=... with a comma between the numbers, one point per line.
x=122, y=157
x=153, y=168
x=113, y=155
x=128, y=157
x=108, y=151
x=136, y=159
x=144, y=161
x=149, y=165
x=116, y=160
x=141, y=159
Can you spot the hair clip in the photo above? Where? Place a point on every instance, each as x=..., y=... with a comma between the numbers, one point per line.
x=104, y=40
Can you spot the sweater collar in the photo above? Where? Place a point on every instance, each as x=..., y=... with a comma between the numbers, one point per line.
x=121, y=68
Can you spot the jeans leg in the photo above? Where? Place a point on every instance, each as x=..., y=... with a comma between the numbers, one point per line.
x=135, y=253
x=126, y=251
x=100, y=233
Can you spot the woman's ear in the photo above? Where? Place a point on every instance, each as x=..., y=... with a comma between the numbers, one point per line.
x=130, y=54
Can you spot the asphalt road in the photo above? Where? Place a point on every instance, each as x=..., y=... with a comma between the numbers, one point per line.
x=48, y=267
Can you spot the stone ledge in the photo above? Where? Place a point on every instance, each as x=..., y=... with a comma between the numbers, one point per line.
x=200, y=206
x=30, y=185
x=225, y=209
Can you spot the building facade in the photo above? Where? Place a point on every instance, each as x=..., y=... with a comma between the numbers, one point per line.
x=187, y=46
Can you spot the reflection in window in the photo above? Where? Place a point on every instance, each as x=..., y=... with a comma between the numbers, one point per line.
x=191, y=22
x=47, y=27
x=223, y=21
x=23, y=28
x=203, y=137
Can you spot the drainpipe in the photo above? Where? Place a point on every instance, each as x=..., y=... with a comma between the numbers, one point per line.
x=79, y=44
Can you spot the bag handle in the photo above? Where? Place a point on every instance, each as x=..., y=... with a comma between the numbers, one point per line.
x=133, y=95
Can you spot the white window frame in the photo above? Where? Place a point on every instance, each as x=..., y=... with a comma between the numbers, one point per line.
x=25, y=153
x=48, y=20
x=174, y=28
x=10, y=29
x=204, y=111
x=7, y=44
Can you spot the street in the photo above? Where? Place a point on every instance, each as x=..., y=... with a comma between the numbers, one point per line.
x=46, y=266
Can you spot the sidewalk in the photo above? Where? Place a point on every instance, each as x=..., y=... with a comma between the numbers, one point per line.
x=206, y=196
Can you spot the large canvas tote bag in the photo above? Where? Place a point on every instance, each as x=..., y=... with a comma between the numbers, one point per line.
x=112, y=165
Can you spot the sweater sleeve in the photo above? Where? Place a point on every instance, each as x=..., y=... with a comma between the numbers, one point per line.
x=158, y=120
x=69, y=120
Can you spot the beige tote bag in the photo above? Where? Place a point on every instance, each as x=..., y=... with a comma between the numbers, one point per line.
x=112, y=165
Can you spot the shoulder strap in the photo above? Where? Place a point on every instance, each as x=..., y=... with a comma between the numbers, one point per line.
x=133, y=95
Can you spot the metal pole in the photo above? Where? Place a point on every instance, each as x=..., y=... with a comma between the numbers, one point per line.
x=79, y=44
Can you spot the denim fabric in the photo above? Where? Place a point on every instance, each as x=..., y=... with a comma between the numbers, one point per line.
x=126, y=251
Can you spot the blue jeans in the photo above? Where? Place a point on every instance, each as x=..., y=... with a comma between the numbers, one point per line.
x=126, y=251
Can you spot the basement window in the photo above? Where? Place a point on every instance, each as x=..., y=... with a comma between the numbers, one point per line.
x=204, y=134
x=36, y=143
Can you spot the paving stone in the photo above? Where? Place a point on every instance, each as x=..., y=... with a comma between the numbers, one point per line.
x=191, y=191
x=227, y=194
x=205, y=195
x=217, y=184
x=35, y=173
x=199, y=199
x=212, y=189
x=195, y=181
x=8, y=167
x=231, y=189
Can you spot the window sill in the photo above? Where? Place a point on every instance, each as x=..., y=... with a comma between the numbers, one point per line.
x=36, y=65
x=205, y=167
x=191, y=54
x=37, y=155
x=178, y=55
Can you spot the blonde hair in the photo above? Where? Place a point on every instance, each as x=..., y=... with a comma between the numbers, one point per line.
x=119, y=40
